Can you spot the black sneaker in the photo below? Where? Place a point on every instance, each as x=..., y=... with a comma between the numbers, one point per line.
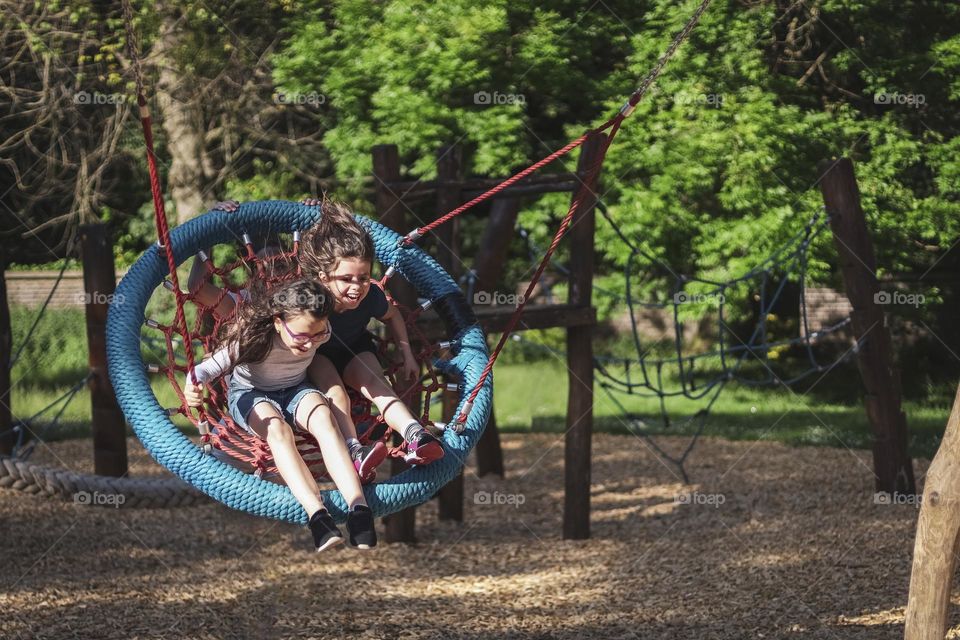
x=324, y=530
x=363, y=535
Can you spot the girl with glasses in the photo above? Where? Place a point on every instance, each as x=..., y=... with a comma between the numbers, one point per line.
x=268, y=349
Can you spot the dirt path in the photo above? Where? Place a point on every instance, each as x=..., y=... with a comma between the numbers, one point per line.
x=770, y=542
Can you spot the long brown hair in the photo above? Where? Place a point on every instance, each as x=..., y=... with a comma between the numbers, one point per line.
x=336, y=236
x=253, y=330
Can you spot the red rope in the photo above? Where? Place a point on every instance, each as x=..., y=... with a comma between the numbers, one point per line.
x=159, y=213
x=586, y=187
x=511, y=180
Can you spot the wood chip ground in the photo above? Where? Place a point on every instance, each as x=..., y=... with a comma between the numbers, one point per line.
x=768, y=542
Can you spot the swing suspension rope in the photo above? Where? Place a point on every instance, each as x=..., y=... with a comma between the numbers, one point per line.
x=585, y=191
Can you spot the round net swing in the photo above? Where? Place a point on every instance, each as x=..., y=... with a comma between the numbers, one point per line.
x=468, y=363
x=232, y=466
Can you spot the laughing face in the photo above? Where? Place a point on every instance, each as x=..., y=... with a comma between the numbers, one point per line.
x=301, y=332
x=349, y=282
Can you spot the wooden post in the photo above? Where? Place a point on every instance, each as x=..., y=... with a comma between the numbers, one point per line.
x=99, y=281
x=449, y=166
x=400, y=527
x=488, y=268
x=7, y=436
x=892, y=465
x=937, y=541
x=576, y=505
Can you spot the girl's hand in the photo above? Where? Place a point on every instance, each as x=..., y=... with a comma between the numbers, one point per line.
x=227, y=205
x=193, y=394
x=411, y=368
x=311, y=202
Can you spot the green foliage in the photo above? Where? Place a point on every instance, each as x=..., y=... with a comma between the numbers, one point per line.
x=500, y=78
x=718, y=166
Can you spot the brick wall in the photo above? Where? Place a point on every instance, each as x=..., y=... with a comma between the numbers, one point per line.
x=825, y=307
x=31, y=288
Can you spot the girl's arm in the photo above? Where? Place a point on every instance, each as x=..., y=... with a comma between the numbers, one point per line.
x=211, y=368
x=198, y=282
x=207, y=293
x=398, y=330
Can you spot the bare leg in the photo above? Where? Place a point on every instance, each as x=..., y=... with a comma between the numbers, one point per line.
x=267, y=423
x=365, y=373
x=324, y=375
x=314, y=414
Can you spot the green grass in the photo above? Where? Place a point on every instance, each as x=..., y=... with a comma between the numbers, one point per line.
x=534, y=396
x=529, y=396
x=53, y=361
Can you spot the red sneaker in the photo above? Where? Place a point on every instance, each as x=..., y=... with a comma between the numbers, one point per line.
x=367, y=459
x=423, y=450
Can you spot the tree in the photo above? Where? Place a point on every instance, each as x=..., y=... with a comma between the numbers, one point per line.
x=221, y=118
x=64, y=115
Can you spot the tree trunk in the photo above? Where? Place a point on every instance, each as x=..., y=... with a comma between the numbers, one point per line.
x=7, y=437
x=182, y=122
x=938, y=539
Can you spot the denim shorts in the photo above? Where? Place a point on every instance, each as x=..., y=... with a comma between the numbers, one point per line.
x=241, y=401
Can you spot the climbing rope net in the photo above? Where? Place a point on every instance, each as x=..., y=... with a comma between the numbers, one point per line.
x=651, y=371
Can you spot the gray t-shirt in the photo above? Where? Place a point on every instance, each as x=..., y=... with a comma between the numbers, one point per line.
x=279, y=370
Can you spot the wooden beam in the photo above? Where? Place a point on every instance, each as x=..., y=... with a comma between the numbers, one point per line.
x=449, y=170
x=488, y=267
x=495, y=319
x=579, y=434
x=516, y=191
x=401, y=526
x=420, y=187
x=7, y=436
x=891, y=461
x=99, y=282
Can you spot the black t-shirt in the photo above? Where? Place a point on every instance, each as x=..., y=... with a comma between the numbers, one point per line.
x=349, y=326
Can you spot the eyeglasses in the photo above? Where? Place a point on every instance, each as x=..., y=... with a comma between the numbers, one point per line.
x=361, y=281
x=304, y=338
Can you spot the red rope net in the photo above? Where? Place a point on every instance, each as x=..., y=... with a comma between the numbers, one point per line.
x=219, y=433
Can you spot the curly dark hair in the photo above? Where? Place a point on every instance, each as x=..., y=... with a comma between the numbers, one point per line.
x=336, y=236
x=253, y=329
